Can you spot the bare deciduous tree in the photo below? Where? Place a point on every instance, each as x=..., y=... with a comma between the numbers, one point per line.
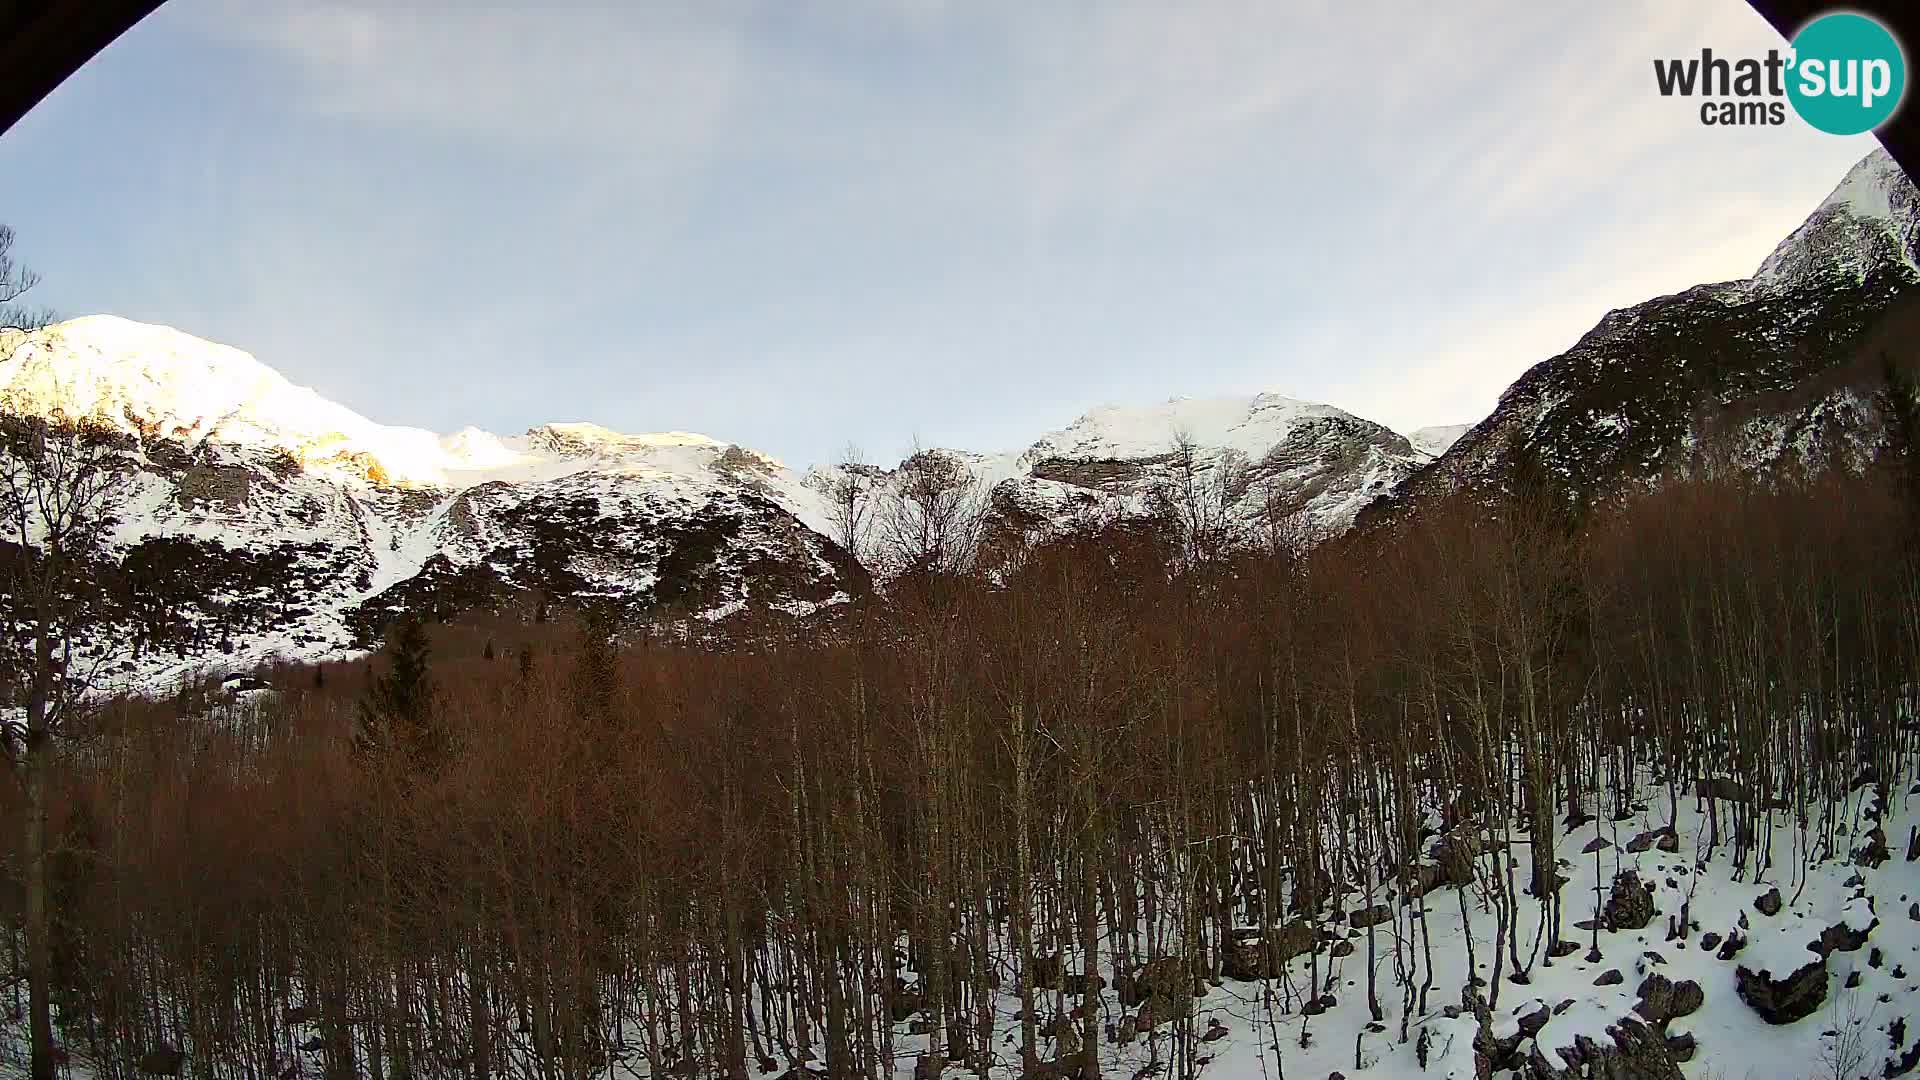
x=850, y=500
x=16, y=280
x=933, y=514
x=56, y=481
x=1196, y=498
x=56, y=484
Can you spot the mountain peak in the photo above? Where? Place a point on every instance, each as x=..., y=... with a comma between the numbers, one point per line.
x=161, y=382
x=1871, y=219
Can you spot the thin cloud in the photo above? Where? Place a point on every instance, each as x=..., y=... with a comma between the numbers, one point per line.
x=796, y=224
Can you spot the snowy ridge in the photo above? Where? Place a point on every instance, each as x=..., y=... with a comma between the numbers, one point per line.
x=296, y=527
x=158, y=382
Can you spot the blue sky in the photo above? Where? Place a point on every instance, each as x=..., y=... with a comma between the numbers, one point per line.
x=796, y=225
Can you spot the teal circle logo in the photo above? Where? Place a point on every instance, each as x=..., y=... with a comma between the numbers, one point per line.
x=1848, y=74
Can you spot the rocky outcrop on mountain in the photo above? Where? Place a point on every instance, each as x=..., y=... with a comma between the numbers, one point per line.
x=1785, y=370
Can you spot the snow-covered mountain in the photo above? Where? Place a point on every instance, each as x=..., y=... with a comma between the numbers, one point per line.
x=1268, y=456
x=259, y=518
x=1241, y=462
x=1785, y=369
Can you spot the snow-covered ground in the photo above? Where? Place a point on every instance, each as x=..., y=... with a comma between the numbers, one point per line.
x=1867, y=1021
x=1868, y=989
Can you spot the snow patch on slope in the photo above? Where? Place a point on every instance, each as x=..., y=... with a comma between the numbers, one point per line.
x=1433, y=441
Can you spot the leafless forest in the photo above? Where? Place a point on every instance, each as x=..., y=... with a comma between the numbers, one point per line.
x=511, y=846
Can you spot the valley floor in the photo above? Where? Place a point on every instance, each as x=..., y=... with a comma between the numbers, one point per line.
x=1575, y=1007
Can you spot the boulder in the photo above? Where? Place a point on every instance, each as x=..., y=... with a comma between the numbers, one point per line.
x=1370, y=916
x=1075, y=983
x=1857, y=921
x=1783, y=999
x=1769, y=903
x=1843, y=938
x=1643, y=841
x=162, y=1061
x=1532, y=1018
x=203, y=485
x=904, y=1002
x=1453, y=868
x=1662, y=999
x=1455, y=853
x=1630, y=903
x=1045, y=969
x=1262, y=954
x=1682, y=1046
x=1721, y=787
x=1165, y=990
x=1875, y=851
x=1633, y=1051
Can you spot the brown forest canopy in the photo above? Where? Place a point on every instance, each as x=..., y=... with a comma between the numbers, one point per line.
x=544, y=839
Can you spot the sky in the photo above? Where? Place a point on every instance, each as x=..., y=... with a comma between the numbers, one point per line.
x=799, y=226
